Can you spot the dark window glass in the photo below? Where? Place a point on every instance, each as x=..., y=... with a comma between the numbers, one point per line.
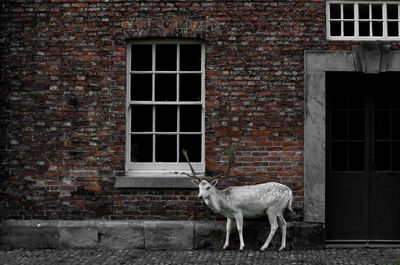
x=364, y=29
x=356, y=125
x=142, y=118
x=141, y=148
x=339, y=125
x=382, y=125
x=339, y=101
x=396, y=126
x=192, y=144
x=190, y=87
x=166, y=57
x=166, y=118
x=348, y=27
x=382, y=155
x=141, y=87
x=141, y=57
x=335, y=11
x=396, y=156
x=339, y=156
x=190, y=57
x=377, y=11
x=190, y=118
x=393, y=29
x=165, y=88
x=356, y=155
x=363, y=11
x=336, y=28
x=166, y=148
x=392, y=12
x=348, y=11
x=377, y=29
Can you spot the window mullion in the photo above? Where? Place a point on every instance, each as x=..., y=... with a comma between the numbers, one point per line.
x=341, y=20
x=356, y=22
x=153, y=100
x=384, y=22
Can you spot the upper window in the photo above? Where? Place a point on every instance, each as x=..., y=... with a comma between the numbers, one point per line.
x=363, y=20
x=165, y=106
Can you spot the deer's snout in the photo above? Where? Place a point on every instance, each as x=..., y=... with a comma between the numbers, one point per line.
x=200, y=197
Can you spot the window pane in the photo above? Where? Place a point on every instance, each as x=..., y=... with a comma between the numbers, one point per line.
x=141, y=57
x=356, y=125
x=192, y=144
x=382, y=155
x=339, y=125
x=356, y=153
x=190, y=57
x=396, y=156
x=339, y=100
x=348, y=28
x=141, y=87
x=190, y=118
x=190, y=87
x=142, y=118
x=364, y=29
x=377, y=29
x=396, y=126
x=377, y=11
x=336, y=28
x=166, y=57
x=166, y=118
x=363, y=11
x=382, y=125
x=166, y=148
x=165, y=89
x=142, y=148
x=348, y=11
x=393, y=29
x=392, y=12
x=339, y=156
x=335, y=11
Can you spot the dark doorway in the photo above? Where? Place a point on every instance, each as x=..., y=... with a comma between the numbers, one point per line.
x=363, y=157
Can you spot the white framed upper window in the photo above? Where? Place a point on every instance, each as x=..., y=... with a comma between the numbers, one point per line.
x=165, y=106
x=363, y=20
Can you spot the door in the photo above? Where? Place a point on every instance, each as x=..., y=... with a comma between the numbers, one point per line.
x=363, y=157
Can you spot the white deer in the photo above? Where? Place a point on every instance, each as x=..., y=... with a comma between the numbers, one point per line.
x=238, y=202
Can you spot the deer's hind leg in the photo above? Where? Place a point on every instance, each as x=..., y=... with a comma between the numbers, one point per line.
x=272, y=214
x=283, y=226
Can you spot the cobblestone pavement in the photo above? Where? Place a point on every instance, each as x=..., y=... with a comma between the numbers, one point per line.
x=106, y=256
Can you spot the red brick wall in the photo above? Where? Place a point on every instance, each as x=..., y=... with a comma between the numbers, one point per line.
x=63, y=100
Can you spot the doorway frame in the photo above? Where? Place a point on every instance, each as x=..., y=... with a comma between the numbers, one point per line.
x=368, y=57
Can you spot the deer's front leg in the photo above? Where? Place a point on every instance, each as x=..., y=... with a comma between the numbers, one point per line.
x=229, y=225
x=239, y=225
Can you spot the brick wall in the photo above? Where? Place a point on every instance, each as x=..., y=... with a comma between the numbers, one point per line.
x=63, y=100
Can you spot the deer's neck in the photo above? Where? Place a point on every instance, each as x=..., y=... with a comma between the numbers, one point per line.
x=216, y=201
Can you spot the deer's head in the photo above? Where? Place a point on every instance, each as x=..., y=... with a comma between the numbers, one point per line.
x=207, y=186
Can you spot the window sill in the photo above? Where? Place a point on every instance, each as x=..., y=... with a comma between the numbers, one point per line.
x=154, y=179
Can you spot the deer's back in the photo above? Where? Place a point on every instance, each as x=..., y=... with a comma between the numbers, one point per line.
x=254, y=200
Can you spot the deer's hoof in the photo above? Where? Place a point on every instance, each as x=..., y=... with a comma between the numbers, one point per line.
x=281, y=248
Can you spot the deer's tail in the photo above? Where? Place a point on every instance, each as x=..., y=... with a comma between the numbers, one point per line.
x=289, y=204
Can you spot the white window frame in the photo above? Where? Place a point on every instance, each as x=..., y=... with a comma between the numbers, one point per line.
x=157, y=169
x=356, y=19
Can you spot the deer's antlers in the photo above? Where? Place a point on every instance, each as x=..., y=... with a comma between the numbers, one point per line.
x=231, y=160
x=191, y=168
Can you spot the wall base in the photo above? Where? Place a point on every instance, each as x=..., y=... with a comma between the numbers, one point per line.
x=151, y=235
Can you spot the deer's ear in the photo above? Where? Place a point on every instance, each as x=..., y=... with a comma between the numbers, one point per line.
x=195, y=182
x=214, y=182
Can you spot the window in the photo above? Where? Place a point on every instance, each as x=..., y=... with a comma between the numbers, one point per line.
x=165, y=106
x=363, y=20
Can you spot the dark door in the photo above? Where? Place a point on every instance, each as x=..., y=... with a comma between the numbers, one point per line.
x=363, y=157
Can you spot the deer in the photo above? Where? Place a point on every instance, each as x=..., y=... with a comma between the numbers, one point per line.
x=238, y=202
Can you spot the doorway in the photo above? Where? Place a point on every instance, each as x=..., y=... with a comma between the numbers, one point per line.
x=363, y=157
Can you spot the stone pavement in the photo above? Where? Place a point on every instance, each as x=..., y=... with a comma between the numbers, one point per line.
x=363, y=256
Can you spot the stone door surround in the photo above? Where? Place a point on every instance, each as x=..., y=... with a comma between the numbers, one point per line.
x=367, y=57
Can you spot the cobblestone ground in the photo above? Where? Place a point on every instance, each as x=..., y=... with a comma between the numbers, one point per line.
x=106, y=256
